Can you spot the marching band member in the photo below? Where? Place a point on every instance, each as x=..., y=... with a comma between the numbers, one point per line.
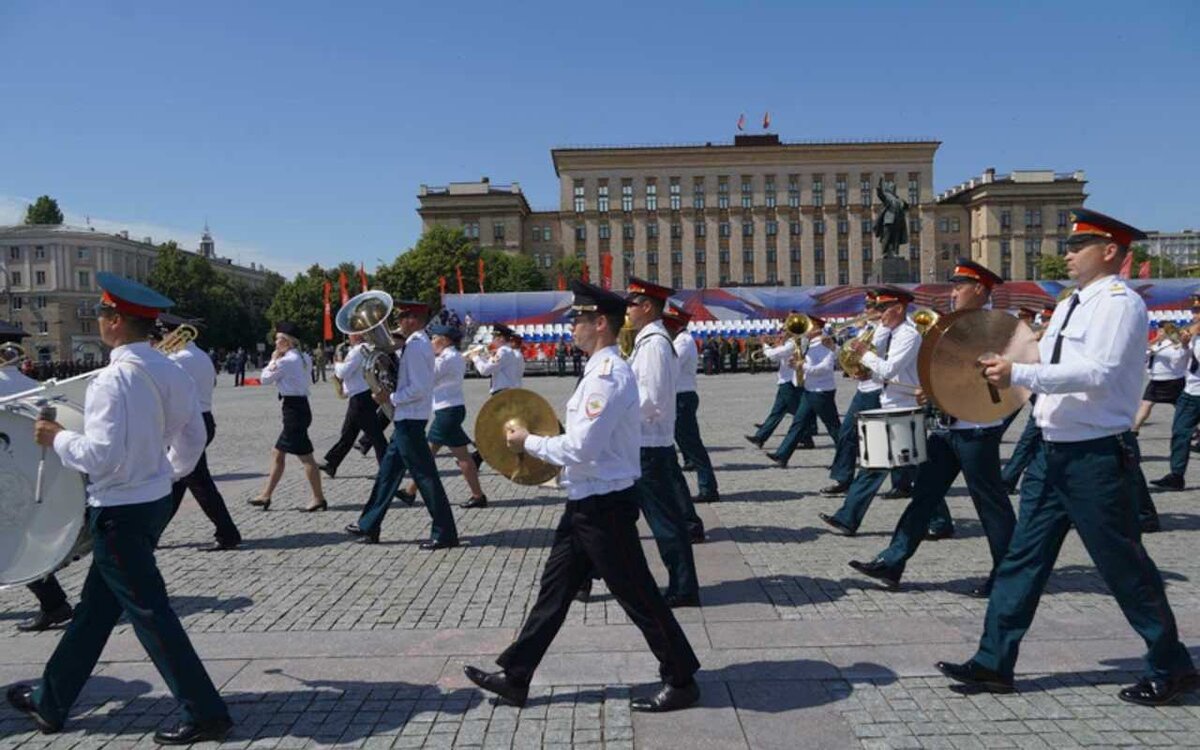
x=1085, y=473
x=1167, y=363
x=505, y=366
x=957, y=446
x=1187, y=407
x=449, y=413
x=142, y=426
x=1030, y=436
x=897, y=363
x=687, y=402
x=408, y=451
x=598, y=530
x=288, y=370
x=787, y=394
x=669, y=510
x=199, y=368
x=361, y=409
x=817, y=397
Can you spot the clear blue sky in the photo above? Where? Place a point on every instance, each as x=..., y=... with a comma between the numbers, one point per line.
x=301, y=130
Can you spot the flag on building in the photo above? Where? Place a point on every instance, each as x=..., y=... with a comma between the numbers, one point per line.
x=766, y=120
x=562, y=282
x=606, y=270
x=742, y=121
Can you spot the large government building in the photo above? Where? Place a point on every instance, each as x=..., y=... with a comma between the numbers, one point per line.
x=763, y=211
x=50, y=282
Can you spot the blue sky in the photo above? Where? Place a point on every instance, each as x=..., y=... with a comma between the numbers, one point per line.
x=301, y=130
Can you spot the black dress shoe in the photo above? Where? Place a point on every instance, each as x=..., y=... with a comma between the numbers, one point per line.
x=836, y=489
x=1169, y=482
x=982, y=591
x=806, y=445
x=696, y=537
x=754, y=441
x=668, y=698
x=779, y=461
x=976, y=676
x=190, y=732
x=431, y=545
x=475, y=502
x=408, y=498
x=897, y=493
x=878, y=570
x=368, y=538
x=1011, y=489
x=323, y=505
x=221, y=545
x=352, y=528
x=836, y=525
x=711, y=497
x=1150, y=526
x=934, y=536
x=1156, y=691
x=330, y=470
x=20, y=697
x=46, y=620
x=499, y=683
x=584, y=594
x=675, y=601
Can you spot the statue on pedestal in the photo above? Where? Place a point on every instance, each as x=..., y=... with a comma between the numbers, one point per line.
x=891, y=226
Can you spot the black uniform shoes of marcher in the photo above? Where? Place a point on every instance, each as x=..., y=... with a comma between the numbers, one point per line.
x=191, y=732
x=46, y=620
x=668, y=698
x=880, y=571
x=20, y=697
x=976, y=676
x=499, y=683
x=1157, y=691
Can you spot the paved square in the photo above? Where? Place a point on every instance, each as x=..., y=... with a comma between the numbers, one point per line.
x=319, y=642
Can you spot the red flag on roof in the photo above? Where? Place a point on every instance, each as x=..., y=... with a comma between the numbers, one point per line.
x=481, y=275
x=766, y=120
x=562, y=282
x=606, y=270
x=742, y=121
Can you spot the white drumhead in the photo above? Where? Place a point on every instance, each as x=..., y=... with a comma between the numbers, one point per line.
x=36, y=539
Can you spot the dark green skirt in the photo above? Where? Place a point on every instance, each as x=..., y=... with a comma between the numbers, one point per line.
x=447, y=427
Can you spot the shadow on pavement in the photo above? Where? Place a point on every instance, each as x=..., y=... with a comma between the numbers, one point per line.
x=190, y=605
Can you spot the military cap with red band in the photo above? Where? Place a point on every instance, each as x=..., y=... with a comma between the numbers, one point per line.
x=128, y=297
x=642, y=288
x=969, y=270
x=1088, y=225
x=409, y=306
x=885, y=295
x=818, y=323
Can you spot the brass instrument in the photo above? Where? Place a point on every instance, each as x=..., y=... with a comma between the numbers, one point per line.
x=11, y=353
x=520, y=407
x=339, y=354
x=367, y=315
x=174, y=341
x=626, y=337
x=850, y=358
x=859, y=320
x=924, y=319
x=796, y=326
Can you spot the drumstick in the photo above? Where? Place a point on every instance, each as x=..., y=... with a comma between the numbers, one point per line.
x=48, y=413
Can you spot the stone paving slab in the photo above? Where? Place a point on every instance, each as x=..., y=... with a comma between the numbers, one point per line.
x=317, y=642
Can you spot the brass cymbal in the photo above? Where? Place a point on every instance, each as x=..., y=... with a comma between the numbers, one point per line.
x=522, y=407
x=948, y=363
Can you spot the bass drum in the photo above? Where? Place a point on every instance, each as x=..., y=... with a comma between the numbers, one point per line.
x=36, y=539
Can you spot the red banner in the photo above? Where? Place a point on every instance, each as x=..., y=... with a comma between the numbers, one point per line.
x=766, y=120
x=1144, y=270
x=344, y=287
x=362, y=277
x=583, y=275
x=458, y=273
x=442, y=284
x=481, y=275
x=1127, y=265
x=606, y=271
x=742, y=121
x=328, y=316
x=562, y=283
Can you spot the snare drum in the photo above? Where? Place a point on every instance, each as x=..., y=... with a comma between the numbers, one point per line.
x=890, y=438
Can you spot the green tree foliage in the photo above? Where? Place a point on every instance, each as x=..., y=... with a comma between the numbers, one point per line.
x=570, y=267
x=232, y=312
x=302, y=300
x=43, y=211
x=1052, y=267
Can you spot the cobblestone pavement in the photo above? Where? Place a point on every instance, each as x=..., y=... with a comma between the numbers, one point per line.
x=319, y=642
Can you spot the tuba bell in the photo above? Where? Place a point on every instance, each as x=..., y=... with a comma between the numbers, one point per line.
x=367, y=315
x=924, y=319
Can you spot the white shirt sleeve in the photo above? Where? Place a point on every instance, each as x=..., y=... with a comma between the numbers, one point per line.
x=185, y=447
x=485, y=366
x=353, y=359
x=1085, y=370
x=781, y=352
x=100, y=448
x=585, y=439
x=654, y=383
x=905, y=345
x=819, y=361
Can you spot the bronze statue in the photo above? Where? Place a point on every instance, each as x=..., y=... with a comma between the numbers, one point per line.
x=891, y=226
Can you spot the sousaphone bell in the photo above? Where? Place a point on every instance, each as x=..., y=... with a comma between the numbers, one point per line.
x=367, y=314
x=527, y=409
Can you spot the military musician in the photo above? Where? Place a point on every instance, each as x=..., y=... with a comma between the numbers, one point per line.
x=1167, y=361
x=787, y=392
x=361, y=410
x=1187, y=406
x=505, y=366
x=817, y=392
x=687, y=402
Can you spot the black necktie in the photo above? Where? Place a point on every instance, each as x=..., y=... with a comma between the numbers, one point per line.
x=1058, y=340
x=1195, y=365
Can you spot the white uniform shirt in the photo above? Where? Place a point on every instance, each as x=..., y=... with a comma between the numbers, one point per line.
x=1167, y=360
x=1095, y=388
x=900, y=366
x=783, y=355
x=413, y=398
x=685, y=349
x=653, y=363
x=879, y=338
x=449, y=369
x=599, y=450
x=350, y=371
x=505, y=368
x=141, y=429
x=1191, y=384
x=289, y=374
x=199, y=366
x=818, y=367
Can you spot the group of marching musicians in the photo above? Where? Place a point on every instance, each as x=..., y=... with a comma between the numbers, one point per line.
x=147, y=421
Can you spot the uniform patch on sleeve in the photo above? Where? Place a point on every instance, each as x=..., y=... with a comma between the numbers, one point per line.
x=1116, y=288
x=594, y=404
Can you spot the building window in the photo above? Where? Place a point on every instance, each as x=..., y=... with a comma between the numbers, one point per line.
x=943, y=224
x=793, y=191
x=626, y=196
x=39, y=278
x=700, y=255
x=627, y=230
x=843, y=226
x=652, y=257
x=748, y=256
x=602, y=199
x=701, y=229
x=1006, y=219
x=1005, y=249
x=747, y=193
x=699, y=279
x=794, y=228
x=1062, y=247
x=39, y=302
x=818, y=188
x=581, y=232
x=820, y=278
x=698, y=194
x=604, y=230
x=85, y=326
x=914, y=225
x=723, y=229
x=1063, y=219
x=955, y=225
x=536, y=233
x=15, y=277
x=18, y=303
x=471, y=230
x=819, y=254
x=818, y=226
x=14, y=252
x=722, y=194
x=676, y=230
x=843, y=253
x=579, y=202
x=747, y=277
x=43, y=326
x=1033, y=247
x=677, y=256
x=83, y=253
x=747, y=228
x=866, y=227
x=652, y=229
x=651, y=196
x=723, y=256
x=676, y=197
x=794, y=254
x=842, y=191
x=772, y=228
x=914, y=191
x=497, y=231
x=724, y=279
x=39, y=252
x=770, y=192
x=1033, y=217
x=795, y=279
x=772, y=256
x=867, y=252
x=85, y=280
x=864, y=192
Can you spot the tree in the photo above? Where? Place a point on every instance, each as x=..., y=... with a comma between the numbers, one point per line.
x=1052, y=267
x=415, y=273
x=569, y=267
x=302, y=300
x=507, y=272
x=43, y=211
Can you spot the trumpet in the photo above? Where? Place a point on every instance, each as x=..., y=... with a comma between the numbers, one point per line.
x=177, y=339
x=859, y=320
x=11, y=353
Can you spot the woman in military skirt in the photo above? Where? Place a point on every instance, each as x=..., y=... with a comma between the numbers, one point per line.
x=1167, y=364
x=449, y=413
x=289, y=372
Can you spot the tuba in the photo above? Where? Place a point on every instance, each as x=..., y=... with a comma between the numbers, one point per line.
x=177, y=339
x=367, y=315
x=851, y=360
x=924, y=319
x=798, y=326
